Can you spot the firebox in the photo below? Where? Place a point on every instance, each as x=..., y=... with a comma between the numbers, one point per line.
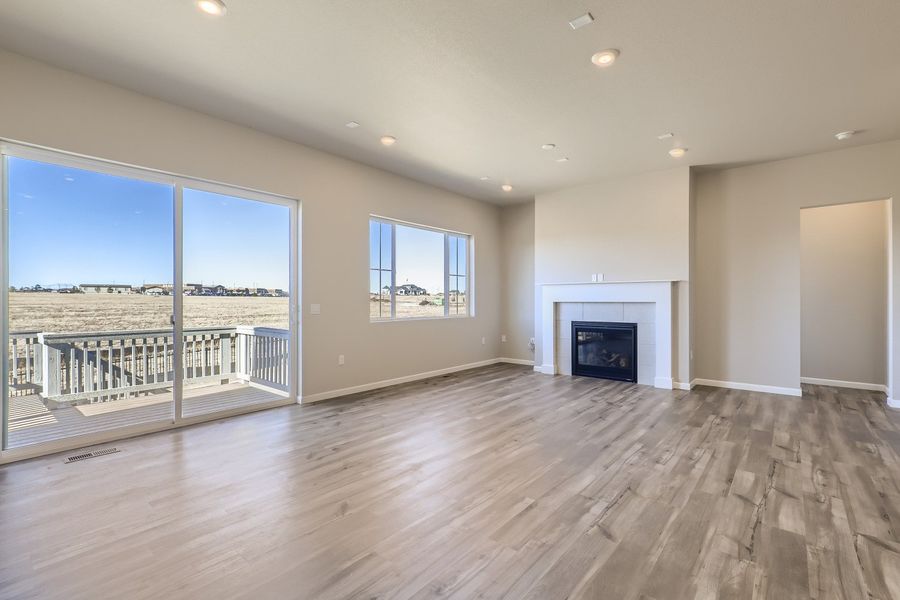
x=605, y=350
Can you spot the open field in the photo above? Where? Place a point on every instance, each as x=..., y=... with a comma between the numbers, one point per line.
x=413, y=306
x=64, y=313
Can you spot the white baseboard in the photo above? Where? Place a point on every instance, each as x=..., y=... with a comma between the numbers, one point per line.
x=516, y=361
x=856, y=385
x=750, y=387
x=680, y=385
x=545, y=369
x=893, y=403
x=375, y=385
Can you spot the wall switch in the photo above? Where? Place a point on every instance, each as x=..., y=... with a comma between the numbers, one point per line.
x=483, y=341
x=340, y=359
x=503, y=338
x=315, y=309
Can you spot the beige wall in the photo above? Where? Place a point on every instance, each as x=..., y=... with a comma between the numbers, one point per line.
x=747, y=255
x=517, y=280
x=627, y=228
x=51, y=107
x=843, y=254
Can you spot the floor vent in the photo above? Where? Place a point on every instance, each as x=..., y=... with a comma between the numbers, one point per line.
x=91, y=454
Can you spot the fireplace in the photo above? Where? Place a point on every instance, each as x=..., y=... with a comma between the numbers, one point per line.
x=605, y=350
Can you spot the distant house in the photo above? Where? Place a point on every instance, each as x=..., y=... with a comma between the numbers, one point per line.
x=261, y=292
x=408, y=289
x=157, y=289
x=105, y=288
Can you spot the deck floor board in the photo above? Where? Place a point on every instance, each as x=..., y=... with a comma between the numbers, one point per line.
x=31, y=422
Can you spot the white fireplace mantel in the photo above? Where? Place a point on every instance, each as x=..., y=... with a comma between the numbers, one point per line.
x=658, y=292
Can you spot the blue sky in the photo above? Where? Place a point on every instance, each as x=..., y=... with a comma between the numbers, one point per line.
x=420, y=256
x=70, y=226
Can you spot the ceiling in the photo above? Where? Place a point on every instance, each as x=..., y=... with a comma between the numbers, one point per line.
x=473, y=88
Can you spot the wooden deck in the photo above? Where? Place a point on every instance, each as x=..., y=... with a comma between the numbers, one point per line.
x=31, y=422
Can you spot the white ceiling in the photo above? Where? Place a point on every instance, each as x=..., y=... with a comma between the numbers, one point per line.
x=474, y=87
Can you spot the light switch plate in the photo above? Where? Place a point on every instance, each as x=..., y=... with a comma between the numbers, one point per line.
x=315, y=309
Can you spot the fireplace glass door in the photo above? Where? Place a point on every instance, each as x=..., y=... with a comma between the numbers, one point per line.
x=605, y=350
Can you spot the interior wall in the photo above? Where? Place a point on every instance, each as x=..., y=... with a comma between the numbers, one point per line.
x=628, y=228
x=747, y=283
x=517, y=280
x=51, y=107
x=843, y=253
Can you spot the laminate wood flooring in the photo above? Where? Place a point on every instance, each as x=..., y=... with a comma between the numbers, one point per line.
x=491, y=483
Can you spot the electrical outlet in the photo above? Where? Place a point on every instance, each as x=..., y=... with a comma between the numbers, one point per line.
x=315, y=309
x=340, y=359
x=483, y=341
x=503, y=338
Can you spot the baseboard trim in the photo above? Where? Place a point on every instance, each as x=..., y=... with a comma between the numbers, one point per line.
x=545, y=369
x=750, y=387
x=680, y=385
x=893, y=403
x=516, y=361
x=856, y=385
x=375, y=385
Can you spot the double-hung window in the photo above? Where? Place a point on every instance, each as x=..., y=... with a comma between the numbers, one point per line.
x=417, y=272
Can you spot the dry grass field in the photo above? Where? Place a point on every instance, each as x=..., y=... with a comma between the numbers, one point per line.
x=65, y=313
x=412, y=306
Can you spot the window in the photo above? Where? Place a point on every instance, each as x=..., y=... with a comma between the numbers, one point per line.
x=417, y=272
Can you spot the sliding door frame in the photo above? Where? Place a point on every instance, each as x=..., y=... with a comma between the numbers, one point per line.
x=11, y=148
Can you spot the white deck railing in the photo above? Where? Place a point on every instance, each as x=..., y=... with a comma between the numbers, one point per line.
x=68, y=367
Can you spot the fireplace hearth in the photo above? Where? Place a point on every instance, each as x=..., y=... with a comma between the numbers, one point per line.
x=605, y=350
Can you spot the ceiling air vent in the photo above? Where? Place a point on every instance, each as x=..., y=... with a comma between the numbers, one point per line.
x=585, y=19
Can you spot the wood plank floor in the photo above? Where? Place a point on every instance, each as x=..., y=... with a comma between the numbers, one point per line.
x=492, y=483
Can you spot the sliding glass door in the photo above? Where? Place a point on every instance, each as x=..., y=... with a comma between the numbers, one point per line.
x=134, y=300
x=236, y=302
x=89, y=350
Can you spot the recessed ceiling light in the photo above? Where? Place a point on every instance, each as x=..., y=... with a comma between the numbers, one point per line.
x=506, y=187
x=548, y=146
x=844, y=135
x=665, y=136
x=352, y=125
x=585, y=19
x=484, y=178
x=212, y=7
x=677, y=152
x=605, y=58
x=388, y=140
x=69, y=178
x=563, y=159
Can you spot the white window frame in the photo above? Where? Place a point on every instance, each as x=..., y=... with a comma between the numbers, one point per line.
x=447, y=233
x=9, y=148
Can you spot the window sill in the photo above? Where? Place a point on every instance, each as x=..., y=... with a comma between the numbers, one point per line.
x=406, y=319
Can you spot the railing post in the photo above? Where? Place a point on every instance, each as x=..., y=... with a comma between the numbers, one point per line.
x=224, y=354
x=51, y=367
x=38, y=361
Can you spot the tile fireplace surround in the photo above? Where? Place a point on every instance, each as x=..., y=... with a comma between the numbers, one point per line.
x=647, y=303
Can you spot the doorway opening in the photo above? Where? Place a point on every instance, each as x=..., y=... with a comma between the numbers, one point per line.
x=845, y=295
